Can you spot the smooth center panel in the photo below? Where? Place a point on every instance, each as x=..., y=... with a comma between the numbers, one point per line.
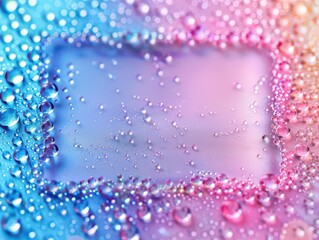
x=162, y=114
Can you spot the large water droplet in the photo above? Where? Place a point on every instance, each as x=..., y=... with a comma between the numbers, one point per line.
x=232, y=211
x=302, y=151
x=82, y=208
x=227, y=233
x=21, y=155
x=49, y=91
x=14, y=76
x=8, y=117
x=14, y=198
x=89, y=228
x=46, y=107
x=129, y=232
x=144, y=213
x=296, y=230
x=183, y=216
x=7, y=95
x=9, y=5
x=269, y=183
x=11, y=224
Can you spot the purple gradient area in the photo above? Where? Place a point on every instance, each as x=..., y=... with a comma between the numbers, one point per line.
x=123, y=113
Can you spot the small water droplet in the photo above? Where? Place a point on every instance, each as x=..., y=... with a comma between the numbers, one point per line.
x=238, y=86
x=266, y=139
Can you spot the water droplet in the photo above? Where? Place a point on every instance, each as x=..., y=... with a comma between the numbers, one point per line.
x=89, y=228
x=209, y=183
x=21, y=155
x=11, y=224
x=129, y=232
x=269, y=183
x=120, y=214
x=9, y=5
x=296, y=230
x=266, y=139
x=15, y=171
x=238, y=86
x=227, y=233
x=190, y=21
x=14, y=76
x=232, y=211
x=309, y=58
x=268, y=217
x=8, y=117
x=46, y=107
x=7, y=96
x=82, y=208
x=177, y=80
x=283, y=131
x=195, y=147
x=183, y=216
x=287, y=49
x=302, y=150
x=14, y=198
x=49, y=91
x=143, y=8
x=144, y=213
x=300, y=9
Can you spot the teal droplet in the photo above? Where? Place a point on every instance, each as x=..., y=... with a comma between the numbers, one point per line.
x=14, y=76
x=8, y=117
x=11, y=224
x=7, y=96
x=21, y=155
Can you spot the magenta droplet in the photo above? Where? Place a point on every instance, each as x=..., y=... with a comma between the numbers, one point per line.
x=232, y=211
x=269, y=183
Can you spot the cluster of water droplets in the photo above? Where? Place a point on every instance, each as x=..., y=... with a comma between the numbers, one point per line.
x=209, y=206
